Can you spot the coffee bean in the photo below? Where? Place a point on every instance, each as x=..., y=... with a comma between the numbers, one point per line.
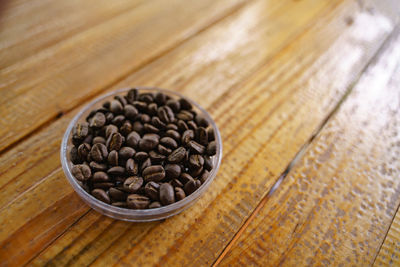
x=179, y=193
x=148, y=128
x=116, y=107
x=172, y=171
x=187, y=136
x=157, y=123
x=169, y=142
x=151, y=189
x=126, y=152
x=99, y=140
x=201, y=121
x=195, y=147
x=156, y=157
x=98, y=152
x=138, y=127
x=192, y=125
x=121, y=99
x=185, y=104
x=171, y=126
x=95, y=166
x=132, y=184
x=152, y=109
x=174, y=105
x=173, y=134
x=84, y=150
x=202, y=136
x=185, y=178
x=126, y=128
x=114, y=142
x=141, y=156
x=133, y=139
x=149, y=142
x=208, y=163
x=98, y=120
x=154, y=173
x=185, y=115
x=191, y=186
x=117, y=170
x=211, y=148
x=144, y=118
x=81, y=172
x=148, y=98
x=130, y=112
x=145, y=164
x=166, y=114
x=163, y=150
x=101, y=195
x=160, y=98
x=177, y=155
x=182, y=126
x=106, y=105
x=154, y=205
x=109, y=117
x=167, y=194
x=80, y=131
x=103, y=185
x=88, y=139
x=132, y=95
x=113, y=158
x=141, y=106
x=196, y=172
x=196, y=161
x=132, y=168
x=136, y=201
x=211, y=135
x=74, y=157
x=176, y=183
x=110, y=129
x=204, y=176
x=99, y=177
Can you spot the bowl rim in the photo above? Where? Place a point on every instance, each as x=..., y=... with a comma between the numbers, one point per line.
x=135, y=214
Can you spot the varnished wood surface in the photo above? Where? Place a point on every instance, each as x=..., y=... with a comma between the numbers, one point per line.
x=305, y=94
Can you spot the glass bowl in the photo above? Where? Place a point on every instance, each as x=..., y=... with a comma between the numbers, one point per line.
x=130, y=214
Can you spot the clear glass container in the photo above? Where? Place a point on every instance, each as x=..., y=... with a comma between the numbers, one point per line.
x=130, y=214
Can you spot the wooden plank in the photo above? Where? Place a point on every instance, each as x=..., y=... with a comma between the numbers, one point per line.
x=21, y=37
x=389, y=254
x=79, y=67
x=200, y=231
x=335, y=206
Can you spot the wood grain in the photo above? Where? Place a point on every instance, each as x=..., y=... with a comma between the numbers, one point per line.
x=335, y=206
x=389, y=253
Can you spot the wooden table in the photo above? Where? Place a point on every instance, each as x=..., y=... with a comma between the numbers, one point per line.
x=306, y=94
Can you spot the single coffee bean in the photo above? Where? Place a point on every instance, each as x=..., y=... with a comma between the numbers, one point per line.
x=118, y=120
x=80, y=131
x=185, y=115
x=202, y=136
x=116, y=107
x=167, y=194
x=109, y=117
x=133, y=139
x=157, y=123
x=98, y=120
x=192, y=125
x=121, y=99
x=110, y=129
x=173, y=134
x=144, y=118
x=163, y=150
x=117, y=170
x=176, y=183
x=138, y=127
x=179, y=193
x=99, y=140
x=132, y=184
x=103, y=185
x=211, y=135
x=160, y=98
x=201, y=121
x=208, y=163
x=126, y=128
x=136, y=201
x=187, y=136
x=98, y=152
x=73, y=154
x=120, y=204
x=152, y=109
x=88, y=139
x=148, y=128
x=169, y=142
x=132, y=95
x=81, y=172
x=101, y=195
x=126, y=152
x=141, y=156
x=191, y=186
x=154, y=173
x=148, y=98
x=106, y=105
x=99, y=177
x=155, y=205
x=185, y=104
x=84, y=150
x=211, y=148
x=114, y=142
x=149, y=142
x=182, y=126
x=196, y=161
x=195, y=147
x=185, y=178
x=151, y=189
x=132, y=168
x=141, y=106
x=145, y=164
x=172, y=126
x=196, y=172
x=95, y=166
x=174, y=105
x=130, y=112
x=204, y=176
x=113, y=158
x=172, y=171
x=177, y=155
x=156, y=157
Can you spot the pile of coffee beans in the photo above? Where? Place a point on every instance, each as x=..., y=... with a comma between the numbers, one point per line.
x=142, y=150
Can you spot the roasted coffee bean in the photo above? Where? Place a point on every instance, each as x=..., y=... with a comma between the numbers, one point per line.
x=196, y=172
x=81, y=172
x=154, y=173
x=160, y=98
x=202, y=136
x=174, y=105
x=141, y=106
x=163, y=150
x=116, y=107
x=99, y=177
x=149, y=142
x=88, y=139
x=144, y=118
x=132, y=168
x=187, y=136
x=132, y=184
x=84, y=150
x=110, y=129
x=185, y=178
x=141, y=156
x=95, y=166
x=80, y=131
x=109, y=117
x=126, y=128
x=106, y=105
x=173, y=134
x=191, y=186
x=182, y=126
x=126, y=152
x=145, y=164
x=114, y=142
x=196, y=161
x=148, y=128
x=179, y=193
x=167, y=194
x=185, y=115
x=73, y=154
x=148, y=98
x=130, y=112
x=98, y=120
x=157, y=123
x=156, y=157
x=116, y=194
x=138, y=127
x=136, y=201
x=172, y=171
x=192, y=125
x=185, y=104
x=98, y=152
x=151, y=189
x=132, y=95
x=204, y=176
x=201, y=121
x=211, y=148
x=120, y=204
x=169, y=142
x=195, y=147
x=121, y=99
x=154, y=205
x=165, y=114
x=101, y=195
x=152, y=109
x=211, y=135
x=171, y=126
x=99, y=140
x=132, y=139
x=208, y=163
x=117, y=170
x=118, y=120
x=113, y=158
x=176, y=183
x=177, y=155
x=103, y=185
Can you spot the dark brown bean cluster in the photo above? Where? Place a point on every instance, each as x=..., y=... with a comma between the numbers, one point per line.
x=142, y=151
